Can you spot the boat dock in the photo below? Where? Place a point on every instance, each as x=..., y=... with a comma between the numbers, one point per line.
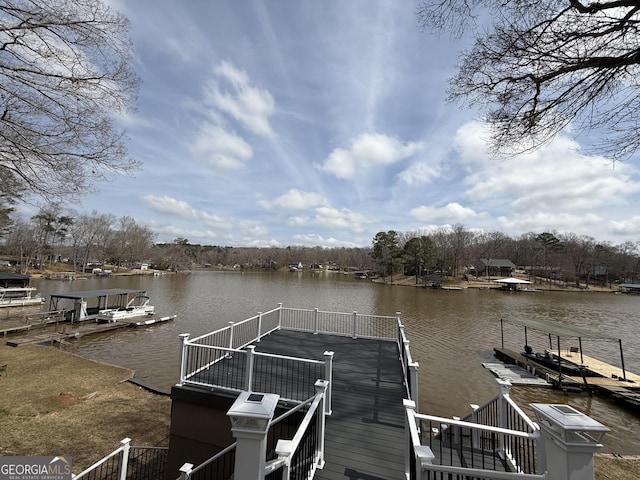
x=111, y=298
x=63, y=332
x=611, y=382
x=566, y=366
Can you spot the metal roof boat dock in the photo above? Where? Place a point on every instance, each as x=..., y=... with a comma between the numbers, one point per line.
x=567, y=367
x=103, y=299
x=113, y=310
x=16, y=292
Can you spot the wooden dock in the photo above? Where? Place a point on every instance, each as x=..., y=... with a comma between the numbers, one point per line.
x=30, y=322
x=625, y=392
x=65, y=332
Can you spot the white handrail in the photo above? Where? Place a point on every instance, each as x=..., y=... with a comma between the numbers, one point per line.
x=479, y=474
x=479, y=426
x=123, y=448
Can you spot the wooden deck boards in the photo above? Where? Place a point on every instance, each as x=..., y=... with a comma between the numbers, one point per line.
x=365, y=433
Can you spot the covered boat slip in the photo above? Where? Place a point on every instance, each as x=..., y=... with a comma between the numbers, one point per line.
x=100, y=300
x=568, y=362
x=16, y=292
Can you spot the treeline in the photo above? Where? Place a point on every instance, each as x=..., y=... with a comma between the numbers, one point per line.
x=457, y=251
x=54, y=235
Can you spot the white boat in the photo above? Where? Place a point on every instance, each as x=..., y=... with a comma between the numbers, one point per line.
x=137, y=307
x=19, y=297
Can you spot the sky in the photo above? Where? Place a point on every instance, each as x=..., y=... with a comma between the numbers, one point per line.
x=320, y=123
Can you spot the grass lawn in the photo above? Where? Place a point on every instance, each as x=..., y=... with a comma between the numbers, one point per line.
x=57, y=403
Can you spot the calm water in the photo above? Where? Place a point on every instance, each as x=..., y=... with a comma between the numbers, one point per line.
x=451, y=332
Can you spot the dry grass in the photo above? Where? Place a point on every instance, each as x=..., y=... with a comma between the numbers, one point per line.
x=609, y=467
x=56, y=403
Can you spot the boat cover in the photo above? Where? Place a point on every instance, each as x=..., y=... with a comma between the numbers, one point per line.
x=561, y=329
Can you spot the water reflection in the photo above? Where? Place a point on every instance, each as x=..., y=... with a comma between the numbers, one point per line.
x=451, y=332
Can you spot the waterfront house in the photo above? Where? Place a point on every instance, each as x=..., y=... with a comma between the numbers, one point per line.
x=496, y=267
x=298, y=393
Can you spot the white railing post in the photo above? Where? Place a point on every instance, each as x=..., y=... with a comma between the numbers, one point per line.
x=423, y=454
x=410, y=410
x=413, y=375
x=475, y=433
x=185, y=471
x=250, y=416
x=315, y=321
x=184, y=338
x=279, y=315
x=259, y=326
x=328, y=376
x=503, y=410
x=231, y=335
x=354, y=325
x=322, y=387
x=122, y=474
x=249, y=364
x=284, y=450
x=568, y=440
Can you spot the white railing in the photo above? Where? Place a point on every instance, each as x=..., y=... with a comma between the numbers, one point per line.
x=304, y=453
x=128, y=461
x=114, y=464
x=353, y=324
x=221, y=465
x=409, y=367
x=225, y=358
x=498, y=440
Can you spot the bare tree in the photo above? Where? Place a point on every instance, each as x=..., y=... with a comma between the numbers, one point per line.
x=579, y=251
x=130, y=243
x=65, y=75
x=51, y=226
x=544, y=65
x=86, y=234
x=22, y=243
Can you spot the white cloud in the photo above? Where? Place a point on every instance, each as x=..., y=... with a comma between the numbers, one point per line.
x=314, y=239
x=630, y=226
x=220, y=148
x=333, y=218
x=547, y=221
x=230, y=92
x=296, y=199
x=368, y=150
x=184, y=211
x=451, y=213
x=557, y=176
x=420, y=173
x=341, y=219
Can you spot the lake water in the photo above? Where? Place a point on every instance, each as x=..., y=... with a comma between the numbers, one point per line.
x=451, y=332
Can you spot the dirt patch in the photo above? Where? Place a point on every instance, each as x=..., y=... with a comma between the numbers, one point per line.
x=67, y=399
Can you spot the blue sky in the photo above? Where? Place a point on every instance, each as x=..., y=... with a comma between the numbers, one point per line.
x=273, y=123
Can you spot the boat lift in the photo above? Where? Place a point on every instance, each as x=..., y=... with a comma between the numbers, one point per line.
x=566, y=331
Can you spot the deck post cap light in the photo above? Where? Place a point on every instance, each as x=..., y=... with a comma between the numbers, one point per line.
x=568, y=423
x=253, y=411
